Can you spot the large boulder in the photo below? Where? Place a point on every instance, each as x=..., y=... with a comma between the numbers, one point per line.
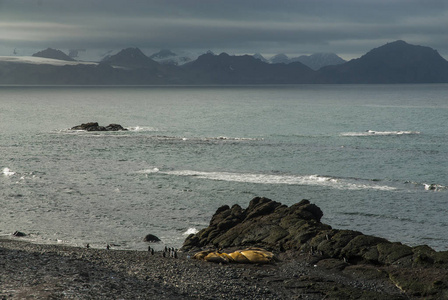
x=151, y=238
x=265, y=223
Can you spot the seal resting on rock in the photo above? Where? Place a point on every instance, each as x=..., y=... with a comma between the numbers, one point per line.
x=247, y=256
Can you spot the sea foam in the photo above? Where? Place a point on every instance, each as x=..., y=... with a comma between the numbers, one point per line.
x=142, y=128
x=7, y=172
x=434, y=187
x=316, y=180
x=378, y=133
x=191, y=230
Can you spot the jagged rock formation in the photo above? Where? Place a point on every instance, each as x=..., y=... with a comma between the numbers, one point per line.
x=420, y=271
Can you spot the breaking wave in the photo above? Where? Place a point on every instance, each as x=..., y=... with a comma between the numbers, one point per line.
x=377, y=133
x=434, y=187
x=142, y=128
x=7, y=172
x=310, y=180
x=191, y=230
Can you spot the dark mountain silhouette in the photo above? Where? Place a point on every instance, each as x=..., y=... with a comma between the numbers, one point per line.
x=396, y=62
x=226, y=69
x=53, y=54
x=314, y=61
x=131, y=58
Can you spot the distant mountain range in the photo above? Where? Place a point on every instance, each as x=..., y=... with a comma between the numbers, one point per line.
x=395, y=62
x=314, y=61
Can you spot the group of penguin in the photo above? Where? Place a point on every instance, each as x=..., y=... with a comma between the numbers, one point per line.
x=249, y=255
x=167, y=252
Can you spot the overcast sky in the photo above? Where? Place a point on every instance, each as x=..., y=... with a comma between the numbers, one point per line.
x=348, y=28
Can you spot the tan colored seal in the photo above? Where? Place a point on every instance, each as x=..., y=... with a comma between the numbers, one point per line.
x=250, y=255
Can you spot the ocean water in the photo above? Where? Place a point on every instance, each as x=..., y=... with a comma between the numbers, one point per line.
x=374, y=158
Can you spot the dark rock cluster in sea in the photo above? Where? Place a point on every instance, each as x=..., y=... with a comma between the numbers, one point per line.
x=419, y=271
x=93, y=126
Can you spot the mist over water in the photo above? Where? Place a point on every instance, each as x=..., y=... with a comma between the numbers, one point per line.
x=374, y=158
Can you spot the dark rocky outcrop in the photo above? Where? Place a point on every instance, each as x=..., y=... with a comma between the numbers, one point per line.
x=265, y=223
x=18, y=234
x=115, y=127
x=151, y=238
x=271, y=225
x=420, y=271
x=93, y=126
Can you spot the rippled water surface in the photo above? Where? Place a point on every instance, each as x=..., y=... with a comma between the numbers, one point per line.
x=374, y=158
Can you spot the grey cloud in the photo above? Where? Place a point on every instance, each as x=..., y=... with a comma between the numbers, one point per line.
x=347, y=27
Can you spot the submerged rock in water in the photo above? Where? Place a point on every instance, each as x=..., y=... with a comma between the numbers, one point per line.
x=93, y=126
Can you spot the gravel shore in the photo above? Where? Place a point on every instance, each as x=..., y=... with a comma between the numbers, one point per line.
x=33, y=271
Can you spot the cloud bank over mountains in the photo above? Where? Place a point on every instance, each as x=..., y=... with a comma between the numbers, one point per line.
x=346, y=27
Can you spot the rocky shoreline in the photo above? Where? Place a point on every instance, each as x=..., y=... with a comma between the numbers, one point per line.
x=33, y=271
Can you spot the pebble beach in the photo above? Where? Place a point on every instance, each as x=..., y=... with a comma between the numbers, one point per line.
x=34, y=271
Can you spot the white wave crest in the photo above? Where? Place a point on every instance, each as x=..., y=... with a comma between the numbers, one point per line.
x=314, y=180
x=206, y=139
x=142, y=128
x=233, y=138
x=377, y=133
x=7, y=172
x=434, y=187
x=148, y=171
x=191, y=230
